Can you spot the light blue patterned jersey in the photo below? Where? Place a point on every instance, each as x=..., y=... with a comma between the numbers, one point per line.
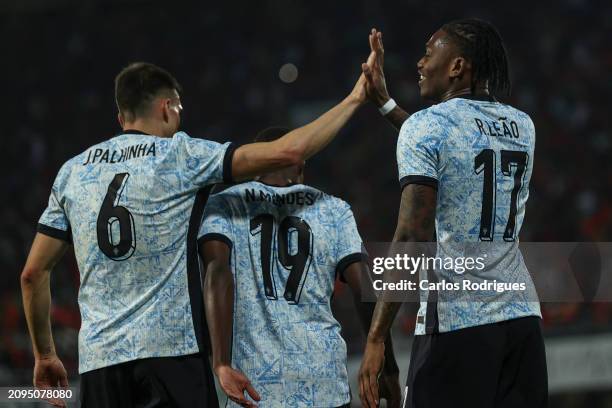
x=480, y=155
x=132, y=207
x=288, y=244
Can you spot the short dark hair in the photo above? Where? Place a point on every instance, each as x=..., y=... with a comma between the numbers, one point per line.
x=272, y=133
x=480, y=43
x=138, y=84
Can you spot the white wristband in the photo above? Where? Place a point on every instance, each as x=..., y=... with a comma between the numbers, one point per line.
x=387, y=107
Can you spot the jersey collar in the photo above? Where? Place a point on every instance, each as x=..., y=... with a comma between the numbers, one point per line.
x=485, y=98
x=134, y=132
x=274, y=185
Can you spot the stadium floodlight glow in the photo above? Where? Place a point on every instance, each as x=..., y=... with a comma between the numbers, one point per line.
x=288, y=73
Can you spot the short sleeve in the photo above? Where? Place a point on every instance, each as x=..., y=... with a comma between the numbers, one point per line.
x=349, y=247
x=216, y=221
x=418, y=150
x=203, y=162
x=54, y=221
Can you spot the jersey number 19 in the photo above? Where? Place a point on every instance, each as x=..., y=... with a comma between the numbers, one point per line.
x=297, y=263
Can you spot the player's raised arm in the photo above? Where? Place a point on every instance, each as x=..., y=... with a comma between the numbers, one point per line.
x=300, y=144
x=376, y=85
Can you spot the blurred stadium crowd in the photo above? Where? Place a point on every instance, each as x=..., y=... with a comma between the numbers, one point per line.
x=59, y=62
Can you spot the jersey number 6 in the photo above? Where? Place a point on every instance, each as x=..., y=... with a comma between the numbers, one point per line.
x=115, y=222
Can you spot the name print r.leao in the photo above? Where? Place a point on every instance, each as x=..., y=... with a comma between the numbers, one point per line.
x=497, y=129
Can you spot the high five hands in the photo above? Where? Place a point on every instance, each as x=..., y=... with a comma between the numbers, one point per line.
x=376, y=87
x=375, y=84
x=375, y=380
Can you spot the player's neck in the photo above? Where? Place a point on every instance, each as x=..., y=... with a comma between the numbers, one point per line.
x=481, y=91
x=277, y=180
x=148, y=127
x=464, y=92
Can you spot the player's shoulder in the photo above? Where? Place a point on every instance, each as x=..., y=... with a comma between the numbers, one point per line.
x=507, y=110
x=224, y=192
x=182, y=138
x=519, y=114
x=432, y=120
x=77, y=162
x=334, y=204
x=322, y=196
x=64, y=172
x=513, y=114
x=337, y=202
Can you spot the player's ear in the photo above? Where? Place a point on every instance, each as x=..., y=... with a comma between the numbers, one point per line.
x=458, y=67
x=165, y=108
x=121, y=120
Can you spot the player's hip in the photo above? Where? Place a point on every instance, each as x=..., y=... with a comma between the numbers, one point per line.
x=501, y=364
x=182, y=381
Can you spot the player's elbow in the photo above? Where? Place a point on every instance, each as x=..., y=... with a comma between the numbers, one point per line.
x=30, y=277
x=412, y=238
x=291, y=156
x=218, y=276
x=412, y=235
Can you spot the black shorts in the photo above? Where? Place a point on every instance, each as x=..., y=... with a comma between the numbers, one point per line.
x=499, y=365
x=183, y=381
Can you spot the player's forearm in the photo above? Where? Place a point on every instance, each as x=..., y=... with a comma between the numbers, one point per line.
x=366, y=311
x=313, y=137
x=219, y=297
x=382, y=319
x=357, y=276
x=397, y=117
x=36, y=296
x=296, y=146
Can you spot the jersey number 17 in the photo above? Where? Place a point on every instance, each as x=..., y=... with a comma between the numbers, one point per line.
x=485, y=162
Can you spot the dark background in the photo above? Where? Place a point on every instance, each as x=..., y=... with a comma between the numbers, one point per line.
x=59, y=59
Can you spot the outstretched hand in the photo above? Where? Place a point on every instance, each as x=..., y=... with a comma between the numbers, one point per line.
x=50, y=372
x=234, y=383
x=376, y=86
x=359, y=92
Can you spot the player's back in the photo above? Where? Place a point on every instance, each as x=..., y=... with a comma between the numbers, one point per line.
x=128, y=203
x=479, y=153
x=485, y=166
x=287, y=244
